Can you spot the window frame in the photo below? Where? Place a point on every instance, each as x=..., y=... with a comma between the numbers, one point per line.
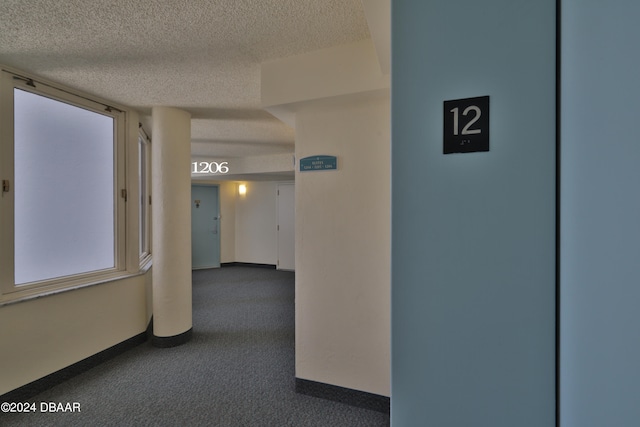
x=144, y=185
x=9, y=81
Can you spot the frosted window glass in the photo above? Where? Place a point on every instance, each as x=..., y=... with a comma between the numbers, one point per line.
x=64, y=189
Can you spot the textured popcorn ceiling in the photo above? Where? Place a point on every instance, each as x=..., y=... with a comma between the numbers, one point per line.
x=202, y=56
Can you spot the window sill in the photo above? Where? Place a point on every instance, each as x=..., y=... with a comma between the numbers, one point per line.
x=36, y=293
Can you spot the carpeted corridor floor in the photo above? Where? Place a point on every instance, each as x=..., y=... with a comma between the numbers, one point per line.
x=237, y=370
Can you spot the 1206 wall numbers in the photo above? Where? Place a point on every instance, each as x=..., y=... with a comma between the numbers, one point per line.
x=209, y=167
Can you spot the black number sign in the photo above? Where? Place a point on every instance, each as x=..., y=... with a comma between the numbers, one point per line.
x=466, y=125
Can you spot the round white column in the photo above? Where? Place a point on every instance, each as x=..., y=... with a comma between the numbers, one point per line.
x=171, y=214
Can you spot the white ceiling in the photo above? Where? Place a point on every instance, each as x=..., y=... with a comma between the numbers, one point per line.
x=201, y=56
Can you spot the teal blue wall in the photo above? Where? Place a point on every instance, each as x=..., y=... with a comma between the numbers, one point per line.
x=600, y=211
x=473, y=235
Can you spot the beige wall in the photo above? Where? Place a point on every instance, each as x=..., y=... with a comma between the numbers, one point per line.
x=338, y=101
x=323, y=73
x=256, y=234
x=227, y=193
x=43, y=335
x=343, y=246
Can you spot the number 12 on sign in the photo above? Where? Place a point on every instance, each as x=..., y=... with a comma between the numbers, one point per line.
x=466, y=125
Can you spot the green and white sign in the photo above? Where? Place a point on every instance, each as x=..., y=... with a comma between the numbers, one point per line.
x=318, y=163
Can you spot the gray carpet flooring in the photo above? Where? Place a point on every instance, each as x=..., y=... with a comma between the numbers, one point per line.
x=237, y=370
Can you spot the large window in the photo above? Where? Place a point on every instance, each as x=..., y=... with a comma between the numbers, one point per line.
x=64, y=189
x=62, y=203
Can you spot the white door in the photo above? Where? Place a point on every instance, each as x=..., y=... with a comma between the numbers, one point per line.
x=286, y=226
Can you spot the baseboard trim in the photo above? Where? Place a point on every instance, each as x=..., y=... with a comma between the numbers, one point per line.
x=172, y=341
x=247, y=264
x=361, y=399
x=27, y=391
